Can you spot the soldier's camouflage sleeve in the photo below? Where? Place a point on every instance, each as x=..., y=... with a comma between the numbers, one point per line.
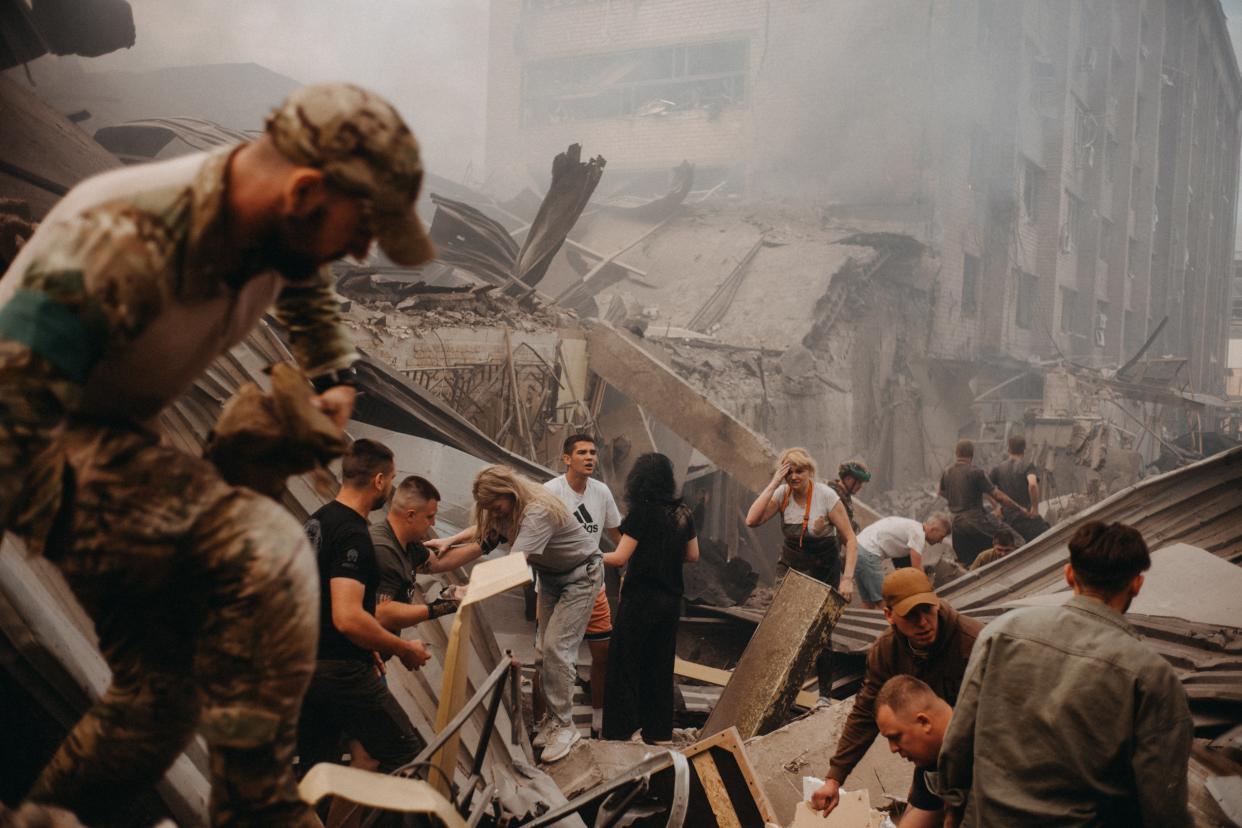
x=311, y=314
x=95, y=284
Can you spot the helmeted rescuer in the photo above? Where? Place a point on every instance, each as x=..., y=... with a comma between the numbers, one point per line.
x=203, y=594
x=852, y=475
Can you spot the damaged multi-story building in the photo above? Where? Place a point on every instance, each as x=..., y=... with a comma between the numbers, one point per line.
x=972, y=195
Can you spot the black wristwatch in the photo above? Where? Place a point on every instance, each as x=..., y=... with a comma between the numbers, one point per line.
x=341, y=376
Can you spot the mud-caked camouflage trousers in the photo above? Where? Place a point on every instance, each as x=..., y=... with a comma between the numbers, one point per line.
x=204, y=597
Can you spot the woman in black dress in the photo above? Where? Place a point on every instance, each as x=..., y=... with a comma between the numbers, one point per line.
x=657, y=537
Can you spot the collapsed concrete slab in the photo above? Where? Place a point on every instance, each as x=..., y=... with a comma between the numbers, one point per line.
x=619, y=359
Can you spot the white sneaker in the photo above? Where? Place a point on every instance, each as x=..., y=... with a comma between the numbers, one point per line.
x=542, y=731
x=560, y=741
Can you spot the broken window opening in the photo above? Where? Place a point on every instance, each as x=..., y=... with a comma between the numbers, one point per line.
x=1106, y=240
x=1070, y=230
x=1069, y=302
x=1086, y=130
x=1112, y=150
x=1027, y=293
x=971, y=267
x=1133, y=338
x=1032, y=178
x=699, y=76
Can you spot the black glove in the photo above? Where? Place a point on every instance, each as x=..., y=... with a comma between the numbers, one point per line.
x=441, y=606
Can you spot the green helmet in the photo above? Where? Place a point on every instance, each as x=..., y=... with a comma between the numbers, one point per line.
x=854, y=469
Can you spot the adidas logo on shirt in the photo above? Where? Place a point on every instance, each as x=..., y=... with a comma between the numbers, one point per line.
x=584, y=517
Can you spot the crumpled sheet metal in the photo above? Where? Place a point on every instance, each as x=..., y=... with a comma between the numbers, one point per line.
x=573, y=182
x=469, y=239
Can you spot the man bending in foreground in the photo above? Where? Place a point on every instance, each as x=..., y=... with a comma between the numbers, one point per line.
x=913, y=719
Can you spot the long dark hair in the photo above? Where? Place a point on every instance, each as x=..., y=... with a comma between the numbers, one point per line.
x=651, y=493
x=651, y=482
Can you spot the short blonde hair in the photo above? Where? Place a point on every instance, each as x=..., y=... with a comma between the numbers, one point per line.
x=798, y=458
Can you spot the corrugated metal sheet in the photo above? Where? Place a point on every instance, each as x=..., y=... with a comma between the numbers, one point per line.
x=144, y=139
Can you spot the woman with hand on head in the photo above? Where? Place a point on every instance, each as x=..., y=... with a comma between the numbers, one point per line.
x=815, y=526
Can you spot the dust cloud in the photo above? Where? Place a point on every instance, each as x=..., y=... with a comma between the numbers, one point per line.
x=428, y=57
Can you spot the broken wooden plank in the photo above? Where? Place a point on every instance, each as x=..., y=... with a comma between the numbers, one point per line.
x=377, y=790
x=769, y=674
x=715, y=790
x=495, y=576
x=487, y=579
x=718, y=677
x=452, y=697
x=731, y=765
x=579, y=290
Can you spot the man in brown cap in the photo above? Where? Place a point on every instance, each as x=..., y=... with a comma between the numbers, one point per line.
x=928, y=640
x=203, y=594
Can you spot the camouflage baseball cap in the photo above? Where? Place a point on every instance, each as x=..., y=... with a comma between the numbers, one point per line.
x=363, y=147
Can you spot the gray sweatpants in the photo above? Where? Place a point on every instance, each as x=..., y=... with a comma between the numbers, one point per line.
x=565, y=603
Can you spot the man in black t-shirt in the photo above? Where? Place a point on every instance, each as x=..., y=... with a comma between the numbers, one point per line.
x=1020, y=480
x=346, y=694
x=964, y=485
x=914, y=719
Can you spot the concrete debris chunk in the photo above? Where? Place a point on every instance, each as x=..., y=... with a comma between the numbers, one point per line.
x=769, y=675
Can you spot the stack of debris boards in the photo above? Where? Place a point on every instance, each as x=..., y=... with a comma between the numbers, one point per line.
x=48, y=646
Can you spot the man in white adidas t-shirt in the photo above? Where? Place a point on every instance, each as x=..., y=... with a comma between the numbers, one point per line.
x=592, y=505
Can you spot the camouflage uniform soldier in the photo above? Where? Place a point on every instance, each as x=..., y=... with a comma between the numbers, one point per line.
x=203, y=594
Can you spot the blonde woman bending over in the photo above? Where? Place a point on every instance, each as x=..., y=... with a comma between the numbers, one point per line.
x=510, y=508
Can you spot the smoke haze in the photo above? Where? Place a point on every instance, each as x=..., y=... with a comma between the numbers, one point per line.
x=428, y=57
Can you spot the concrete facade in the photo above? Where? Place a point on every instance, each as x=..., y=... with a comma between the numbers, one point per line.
x=1072, y=165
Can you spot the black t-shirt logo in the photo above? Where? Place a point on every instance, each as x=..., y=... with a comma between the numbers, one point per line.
x=314, y=531
x=584, y=517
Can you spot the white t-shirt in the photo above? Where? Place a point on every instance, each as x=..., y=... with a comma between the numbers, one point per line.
x=595, y=508
x=823, y=501
x=893, y=537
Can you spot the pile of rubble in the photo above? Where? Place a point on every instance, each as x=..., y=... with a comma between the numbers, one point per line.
x=918, y=502
x=374, y=301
